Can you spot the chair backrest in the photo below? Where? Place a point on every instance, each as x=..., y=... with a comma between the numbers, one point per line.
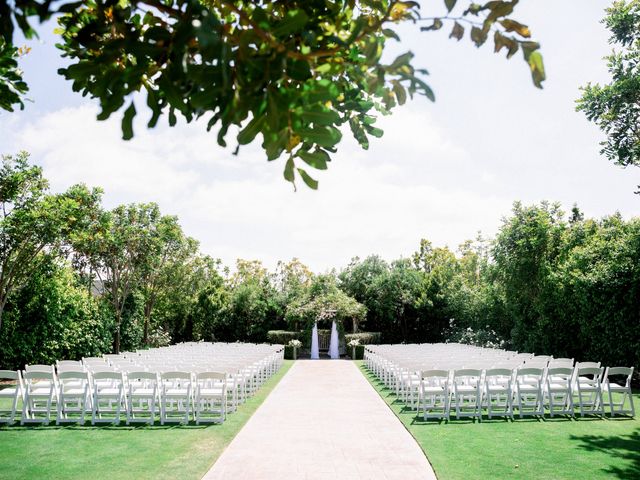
x=138, y=375
x=434, y=374
x=211, y=376
x=38, y=375
x=9, y=375
x=588, y=365
x=626, y=371
x=596, y=372
x=176, y=375
x=39, y=368
x=560, y=372
x=107, y=375
x=499, y=372
x=73, y=375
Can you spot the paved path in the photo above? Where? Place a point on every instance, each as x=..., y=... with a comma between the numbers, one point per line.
x=323, y=421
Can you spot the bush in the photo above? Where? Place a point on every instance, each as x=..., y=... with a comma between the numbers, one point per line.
x=282, y=337
x=359, y=352
x=365, y=338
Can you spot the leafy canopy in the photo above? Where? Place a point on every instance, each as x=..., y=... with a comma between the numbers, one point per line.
x=292, y=73
x=615, y=107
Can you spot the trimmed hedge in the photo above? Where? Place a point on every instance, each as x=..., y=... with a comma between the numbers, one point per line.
x=282, y=337
x=366, y=338
x=359, y=352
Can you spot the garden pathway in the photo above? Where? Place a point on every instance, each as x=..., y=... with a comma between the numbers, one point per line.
x=323, y=421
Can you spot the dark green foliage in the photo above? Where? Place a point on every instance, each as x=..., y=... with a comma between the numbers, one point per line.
x=365, y=338
x=53, y=317
x=289, y=74
x=614, y=107
x=282, y=337
x=359, y=352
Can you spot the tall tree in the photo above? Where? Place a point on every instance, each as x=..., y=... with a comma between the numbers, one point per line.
x=32, y=221
x=293, y=71
x=168, y=250
x=117, y=246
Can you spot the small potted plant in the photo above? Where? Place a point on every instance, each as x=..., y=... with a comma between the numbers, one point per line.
x=295, y=344
x=353, y=344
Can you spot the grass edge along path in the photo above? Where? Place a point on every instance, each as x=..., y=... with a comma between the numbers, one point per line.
x=528, y=448
x=123, y=452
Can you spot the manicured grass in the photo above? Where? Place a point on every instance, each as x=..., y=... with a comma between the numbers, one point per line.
x=135, y=452
x=559, y=448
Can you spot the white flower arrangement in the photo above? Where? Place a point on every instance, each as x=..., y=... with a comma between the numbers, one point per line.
x=295, y=343
x=354, y=343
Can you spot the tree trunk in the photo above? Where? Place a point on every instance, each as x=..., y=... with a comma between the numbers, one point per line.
x=147, y=320
x=116, y=344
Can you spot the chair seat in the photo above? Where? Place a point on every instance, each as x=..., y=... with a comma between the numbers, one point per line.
x=73, y=392
x=433, y=390
x=528, y=388
x=8, y=392
x=176, y=392
x=205, y=392
x=142, y=392
x=108, y=392
x=558, y=387
x=614, y=387
x=466, y=389
x=497, y=389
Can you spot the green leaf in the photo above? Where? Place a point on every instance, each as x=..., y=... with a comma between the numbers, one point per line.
x=248, y=133
x=450, y=4
x=289, y=174
x=436, y=25
x=320, y=135
x=311, y=183
x=294, y=22
x=317, y=159
x=537, y=68
x=320, y=116
x=513, y=26
x=401, y=60
x=400, y=92
x=127, y=122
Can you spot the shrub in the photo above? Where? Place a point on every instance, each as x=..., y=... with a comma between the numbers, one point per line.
x=359, y=352
x=282, y=337
x=365, y=338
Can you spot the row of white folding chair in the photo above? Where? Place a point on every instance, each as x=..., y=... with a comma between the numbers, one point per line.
x=534, y=389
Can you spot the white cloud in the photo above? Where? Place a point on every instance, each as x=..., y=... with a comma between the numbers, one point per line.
x=377, y=201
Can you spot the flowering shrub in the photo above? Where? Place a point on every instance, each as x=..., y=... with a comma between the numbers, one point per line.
x=159, y=338
x=295, y=343
x=483, y=337
x=354, y=343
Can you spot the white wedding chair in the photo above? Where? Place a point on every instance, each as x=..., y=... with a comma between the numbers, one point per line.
x=175, y=397
x=589, y=390
x=621, y=389
x=529, y=382
x=498, y=390
x=40, y=395
x=109, y=399
x=210, y=400
x=467, y=393
x=13, y=392
x=434, y=394
x=142, y=397
x=558, y=393
x=74, y=397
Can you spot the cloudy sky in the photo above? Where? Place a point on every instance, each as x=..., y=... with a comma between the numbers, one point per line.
x=442, y=171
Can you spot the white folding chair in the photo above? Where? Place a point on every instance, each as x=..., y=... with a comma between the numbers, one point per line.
x=13, y=393
x=529, y=382
x=109, y=398
x=210, y=397
x=142, y=397
x=589, y=390
x=40, y=394
x=74, y=397
x=175, y=397
x=467, y=394
x=498, y=395
x=558, y=394
x=622, y=390
x=434, y=394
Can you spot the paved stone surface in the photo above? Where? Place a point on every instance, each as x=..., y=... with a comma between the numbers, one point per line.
x=323, y=421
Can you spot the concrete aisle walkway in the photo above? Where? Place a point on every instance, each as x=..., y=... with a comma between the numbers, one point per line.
x=323, y=421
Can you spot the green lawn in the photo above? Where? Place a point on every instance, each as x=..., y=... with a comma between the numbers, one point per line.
x=158, y=452
x=556, y=449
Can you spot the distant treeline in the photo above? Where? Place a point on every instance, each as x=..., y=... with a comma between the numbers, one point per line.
x=80, y=280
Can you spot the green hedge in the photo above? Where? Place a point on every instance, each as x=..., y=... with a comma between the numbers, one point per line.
x=366, y=338
x=282, y=337
x=359, y=352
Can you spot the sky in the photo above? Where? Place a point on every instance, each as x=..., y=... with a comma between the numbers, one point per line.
x=442, y=171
